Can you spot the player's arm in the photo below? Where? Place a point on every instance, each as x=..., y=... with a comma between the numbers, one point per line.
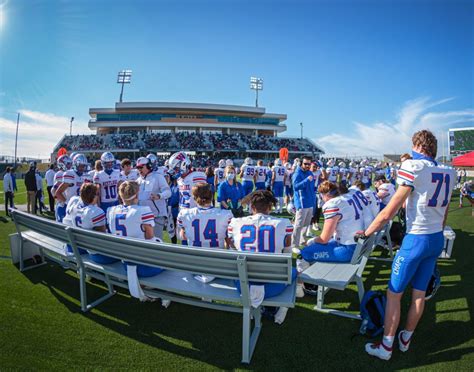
x=59, y=193
x=216, y=183
x=273, y=177
x=148, y=230
x=386, y=215
x=241, y=173
x=329, y=228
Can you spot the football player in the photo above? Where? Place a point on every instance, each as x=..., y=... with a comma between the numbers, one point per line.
x=385, y=190
x=426, y=188
x=64, y=164
x=365, y=172
x=128, y=173
x=219, y=174
x=344, y=173
x=204, y=225
x=108, y=181
x=278, y=180
x=133, y=220
x=73, y=179
x=264, y=234
x=260, y=175
x=288, y=183
x=247, y=174
x=332, y=171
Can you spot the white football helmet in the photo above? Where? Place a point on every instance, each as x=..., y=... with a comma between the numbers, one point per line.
x=291, y=208
x=330, y=163
x=352, y=164
x=153, y=160
x=80, y=163
x=179, y=162
x=287, y=165
x=229, y=162
x=222, y=163
x=248, y=161
x=278, y=162
x=342, y=164
x=64, y=162
x=107, y=159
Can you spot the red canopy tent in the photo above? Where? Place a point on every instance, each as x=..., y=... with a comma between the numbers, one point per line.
x=466, y=160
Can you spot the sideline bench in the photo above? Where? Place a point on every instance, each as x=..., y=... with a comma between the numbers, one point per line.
x=335, y=275
x=181, y=263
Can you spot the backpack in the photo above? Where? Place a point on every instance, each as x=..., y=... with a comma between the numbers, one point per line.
x=372, y=312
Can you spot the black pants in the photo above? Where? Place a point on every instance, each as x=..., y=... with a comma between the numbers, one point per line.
x=51, y=199
x=8, y=200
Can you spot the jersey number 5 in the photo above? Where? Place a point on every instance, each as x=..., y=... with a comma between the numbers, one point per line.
x=439, y=178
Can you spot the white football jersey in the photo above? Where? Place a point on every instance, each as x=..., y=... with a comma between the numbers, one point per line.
x=279, y=171
x=82, y=215
x=365, y=174
x=75, y=182
x=248, y=172
x=57, y=181
x=260, y=233
x=387, y=190
x=351, y=220
x=108, y=184
x=332, y=173
x=363, y=205
x=261, y=172
x=219, y=172
x=289, y=175
x=127, y=220
x=185, y=185
x=205, y=227
x=374, y=201
x=317, y=177
x=131, y=176
x=344, y=173
x=432, y=189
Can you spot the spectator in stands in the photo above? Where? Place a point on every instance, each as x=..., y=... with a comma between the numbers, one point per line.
x=49, y=177
x=31, y=188
x=8, y=189
x=304, y=198
x=231, y=192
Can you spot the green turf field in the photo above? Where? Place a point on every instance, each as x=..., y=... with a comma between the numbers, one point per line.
x=20, y=195
x=42, y=326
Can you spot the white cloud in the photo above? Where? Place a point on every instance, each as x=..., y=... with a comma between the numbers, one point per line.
x=38, y=133
x=395, y=138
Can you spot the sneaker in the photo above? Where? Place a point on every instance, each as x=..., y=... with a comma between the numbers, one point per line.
x=281, y=315
x=379, y=350
x=301, y=265
x=315, y=227
x=402, y=344
x=309, y=234
x=299, y=290
x=165, y=303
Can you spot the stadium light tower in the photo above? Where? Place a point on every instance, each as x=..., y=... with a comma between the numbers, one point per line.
x=256, y=84
x=124, y=77
x=301, y=125
x=70, y=125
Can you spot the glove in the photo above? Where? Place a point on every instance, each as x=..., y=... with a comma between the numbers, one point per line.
x=360, y=235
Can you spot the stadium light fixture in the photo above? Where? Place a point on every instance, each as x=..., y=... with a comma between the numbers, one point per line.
x=256, y=84
x=70, y=125
x=124, y=77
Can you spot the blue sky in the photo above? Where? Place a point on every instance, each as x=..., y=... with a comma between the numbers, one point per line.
x=340, y=67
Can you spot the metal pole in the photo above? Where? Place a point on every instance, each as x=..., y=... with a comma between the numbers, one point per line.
x=16, y=137
x=121, y=92
x=301, y=125
x=256, y=97
x=70, y=126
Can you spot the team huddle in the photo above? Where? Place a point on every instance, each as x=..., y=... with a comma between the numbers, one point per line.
x=355, y=200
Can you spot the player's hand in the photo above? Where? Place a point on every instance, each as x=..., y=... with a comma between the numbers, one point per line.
x=360, y=235
x=310, y=178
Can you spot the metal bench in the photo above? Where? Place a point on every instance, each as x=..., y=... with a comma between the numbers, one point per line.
x=181, y=263
x=334, y=275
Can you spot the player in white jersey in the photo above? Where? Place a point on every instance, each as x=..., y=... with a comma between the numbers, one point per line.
x=64, y=164
x=362, y=202
x=379, y=170
x=73, y=179
x=204, y=225
x=365, y=172
x=352, y=172
x=264, y=234
x=219, y=174
x=260, y=175
x=332, y=171
x=277, y=183
x=288, y=183
x=180, y=163
x=426, y=188
x=371, y=196
x=128, y=173
x=385, y=190
x=132, y=220
x=341, y=221
x=108, y=181
x=247, y=175
x=82, y=211
x=344, y=173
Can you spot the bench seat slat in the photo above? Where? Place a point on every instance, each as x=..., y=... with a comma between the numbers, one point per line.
x=328, y=274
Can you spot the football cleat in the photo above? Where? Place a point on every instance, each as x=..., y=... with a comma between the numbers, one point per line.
x=379, y=350
x=403, y=344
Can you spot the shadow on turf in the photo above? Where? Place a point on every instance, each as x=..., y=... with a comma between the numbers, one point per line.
x=215, y=337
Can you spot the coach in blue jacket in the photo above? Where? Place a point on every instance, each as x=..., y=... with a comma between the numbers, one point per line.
x=304, y=197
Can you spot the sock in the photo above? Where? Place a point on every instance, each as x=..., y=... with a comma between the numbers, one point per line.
x=388, y=341
x=406, y=335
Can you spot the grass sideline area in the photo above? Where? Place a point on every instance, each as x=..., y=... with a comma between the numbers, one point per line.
x=42, y=326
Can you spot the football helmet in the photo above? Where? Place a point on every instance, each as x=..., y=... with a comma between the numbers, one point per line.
x=73, y=155
x=342, y=164
x=64, y=162
x=179, y=162
x=291, y=208
x=352, y=164
x=229, y=162
x=107, y=159
x=222, y=163
x=80, y=163
x=330, y=163
x=278, y=162
x=287, y=165
x=248, y=161
x=153, y=160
